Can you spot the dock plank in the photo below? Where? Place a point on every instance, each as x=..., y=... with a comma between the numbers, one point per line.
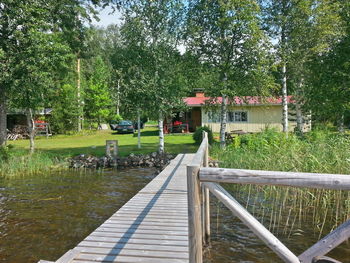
x=94, y=244
x=152, y=227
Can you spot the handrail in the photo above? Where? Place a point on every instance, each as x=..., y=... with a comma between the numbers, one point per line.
x=309, y=180
x=199, y=175
x=194, y=202
x=200, y=154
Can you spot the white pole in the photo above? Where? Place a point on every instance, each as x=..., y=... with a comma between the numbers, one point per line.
x=138, y=129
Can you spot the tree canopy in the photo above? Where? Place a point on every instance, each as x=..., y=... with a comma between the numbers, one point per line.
x=51, y=56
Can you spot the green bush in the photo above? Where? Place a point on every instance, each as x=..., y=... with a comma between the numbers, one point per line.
x=261, y=140
x=198, y=135
x=4, y=154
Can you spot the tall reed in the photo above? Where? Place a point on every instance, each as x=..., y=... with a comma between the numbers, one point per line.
x=19, y=162
x=286, y=208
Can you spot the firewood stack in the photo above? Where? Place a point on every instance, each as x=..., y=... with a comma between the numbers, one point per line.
x=18, y=132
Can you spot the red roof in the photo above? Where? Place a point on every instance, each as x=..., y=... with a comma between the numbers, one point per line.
x=247, y=100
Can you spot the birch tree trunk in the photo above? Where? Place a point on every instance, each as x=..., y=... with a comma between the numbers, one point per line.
x=299, y=113
x=3, y=119
x=31, y=129
x=161, y=134
x=79, y=95
x=138, y=129
x=284, y=99
x=118, y=96
x=223, y=121
x=300, y=119
x=284, y=74
x=341, y=124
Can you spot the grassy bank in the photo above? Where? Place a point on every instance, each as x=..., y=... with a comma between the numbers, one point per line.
x=287, y=208
x=53, y=152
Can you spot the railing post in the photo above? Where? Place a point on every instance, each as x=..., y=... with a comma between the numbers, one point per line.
x=206, y=216
x=194, y=215
x=206, y=152
x=205, y=197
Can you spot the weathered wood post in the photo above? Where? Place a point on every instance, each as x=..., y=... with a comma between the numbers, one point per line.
x=205, y=193
x=112, y=150
x=194, y=214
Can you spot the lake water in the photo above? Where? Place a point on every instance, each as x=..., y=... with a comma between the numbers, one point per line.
x=41, y=217
x=232, y=241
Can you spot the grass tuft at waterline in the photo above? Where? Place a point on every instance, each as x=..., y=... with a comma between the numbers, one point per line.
x=20, y=162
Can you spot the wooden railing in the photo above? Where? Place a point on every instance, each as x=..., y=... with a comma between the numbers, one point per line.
x=201, y=179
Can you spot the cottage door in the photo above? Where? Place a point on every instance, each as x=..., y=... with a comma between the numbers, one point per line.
x=197, y=117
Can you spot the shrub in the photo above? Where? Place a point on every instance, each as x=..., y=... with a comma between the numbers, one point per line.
x=236, y=142
x=4, y=153
x=198, y=134
x=264, y=139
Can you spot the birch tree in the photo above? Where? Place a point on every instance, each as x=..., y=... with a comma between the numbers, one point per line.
x=38, y=55
x=277, y=16
x=302, y=29
x=227, y=36
x=157, y=30
x=28, y=52
x=12, y=17
x=139, y=89
x=131, y=60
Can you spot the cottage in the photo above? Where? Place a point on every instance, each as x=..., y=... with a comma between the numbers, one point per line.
x=249, y=114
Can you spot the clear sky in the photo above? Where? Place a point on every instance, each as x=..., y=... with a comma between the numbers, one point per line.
x=107, y=17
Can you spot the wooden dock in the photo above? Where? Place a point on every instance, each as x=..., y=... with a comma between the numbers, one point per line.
x=169, y=220
x=152, y=227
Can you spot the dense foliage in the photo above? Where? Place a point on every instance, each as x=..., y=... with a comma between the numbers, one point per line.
x=51, y=57
x=227, y=37
x=65, y=114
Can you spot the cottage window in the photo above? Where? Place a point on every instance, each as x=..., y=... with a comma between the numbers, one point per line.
x=232, y=116
x=213, y=117
x=237, y=116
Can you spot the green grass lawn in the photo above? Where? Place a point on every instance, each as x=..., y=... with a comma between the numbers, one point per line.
x=93, y=142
